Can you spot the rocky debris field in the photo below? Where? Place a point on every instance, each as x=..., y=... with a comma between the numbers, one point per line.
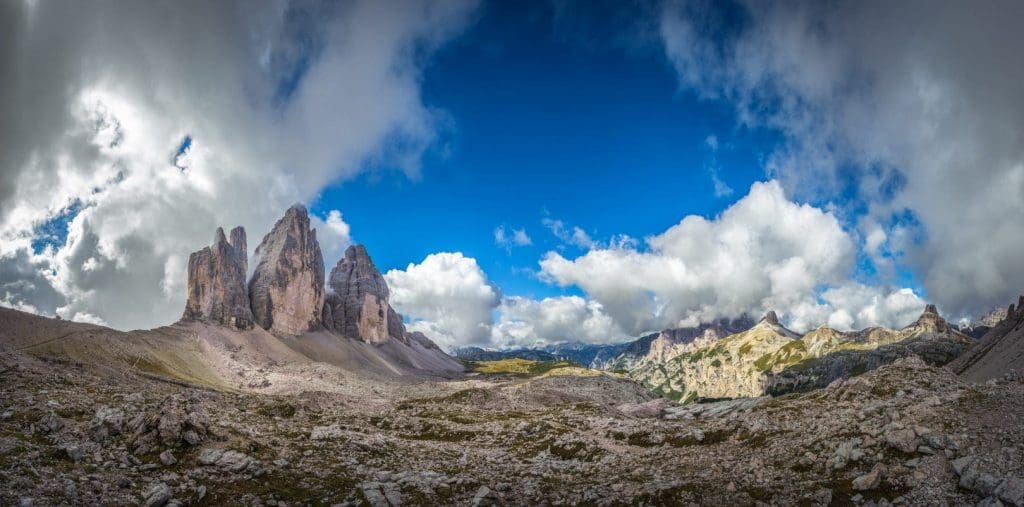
x=905, y=434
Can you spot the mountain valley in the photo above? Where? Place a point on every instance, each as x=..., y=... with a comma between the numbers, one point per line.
x=302, y=387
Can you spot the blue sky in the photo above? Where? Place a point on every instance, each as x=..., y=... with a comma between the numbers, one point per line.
x=816, y=159
x=543, y=123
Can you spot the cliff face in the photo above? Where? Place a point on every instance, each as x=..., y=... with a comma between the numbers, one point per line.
x=287, y=288
x=216, y=282
x=352, y=326
x=770, y=359
x=357, y=306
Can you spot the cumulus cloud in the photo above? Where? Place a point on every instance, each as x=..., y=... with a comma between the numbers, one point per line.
x=525, y=322
x=922, y=126
x=447, y=297
x=853, y=306
x=764, y=252
x=155, y=124
x=508, y=238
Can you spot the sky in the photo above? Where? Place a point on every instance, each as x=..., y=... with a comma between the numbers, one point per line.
x=524, y=173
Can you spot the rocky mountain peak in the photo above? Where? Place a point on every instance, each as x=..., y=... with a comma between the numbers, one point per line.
x=771, y=317
x=357, y=306
x=930, y=320
x=216, y=282
x=287, y=287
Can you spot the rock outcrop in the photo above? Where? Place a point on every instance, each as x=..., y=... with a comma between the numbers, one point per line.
x=357, y=305
x=770, y=359
x=287, y=289
x=826, y=355
x=216, y=282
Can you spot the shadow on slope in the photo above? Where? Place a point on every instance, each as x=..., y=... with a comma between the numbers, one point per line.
x=817, y=372
x=999, y=351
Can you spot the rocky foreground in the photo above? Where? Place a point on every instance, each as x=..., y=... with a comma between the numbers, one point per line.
x=906, y=433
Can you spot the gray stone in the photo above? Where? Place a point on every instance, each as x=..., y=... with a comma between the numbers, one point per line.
x=989, y=502
x=904, y=440
x=392, y=493
x=870, y=480
x=986, y=484
x=960, y=464
x=357, y=306
x=325, y=432
x=486, y=496
x=72, y=451
x=373, y=495
x=1011, y=491
x=157, y=495
x=229, y=460
x=167, y=458
x=50, y=423
x=968, y=477
x=107, y=421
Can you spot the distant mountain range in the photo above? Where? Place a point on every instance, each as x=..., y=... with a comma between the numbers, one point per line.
x=739, y=357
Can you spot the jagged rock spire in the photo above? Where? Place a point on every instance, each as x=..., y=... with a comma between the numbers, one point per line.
x=930, y=319
x=771, y=318
x=358, y=304
x=287, y=288
x=216, y=282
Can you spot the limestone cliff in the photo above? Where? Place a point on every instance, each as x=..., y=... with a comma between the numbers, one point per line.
x=357, y=305
x=287, y=288
x=768, y=358
x=216, y=282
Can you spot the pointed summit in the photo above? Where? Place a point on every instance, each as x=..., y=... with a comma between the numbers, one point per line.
x=930, y=320
x=216, y=282
x=771, y=318
x=287, y=287
x=358, y=305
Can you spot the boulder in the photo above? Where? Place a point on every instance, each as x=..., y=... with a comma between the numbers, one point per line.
x=1011, y=491
x=357, y=306
x=157, y=495
x=869, y=480
x=287, y=288
x=229, y=460
x=216, y=282
x=107, y=421
x=903, y=440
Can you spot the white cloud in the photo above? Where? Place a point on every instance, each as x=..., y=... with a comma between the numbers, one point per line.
x=333, y=234
x=526, y=322
x=764, y=252
x=721, y=188
x=447, y=297
x=279, y=100
x=509, y=238
x=574, y=236
x=924, y=125
x=854, y=306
